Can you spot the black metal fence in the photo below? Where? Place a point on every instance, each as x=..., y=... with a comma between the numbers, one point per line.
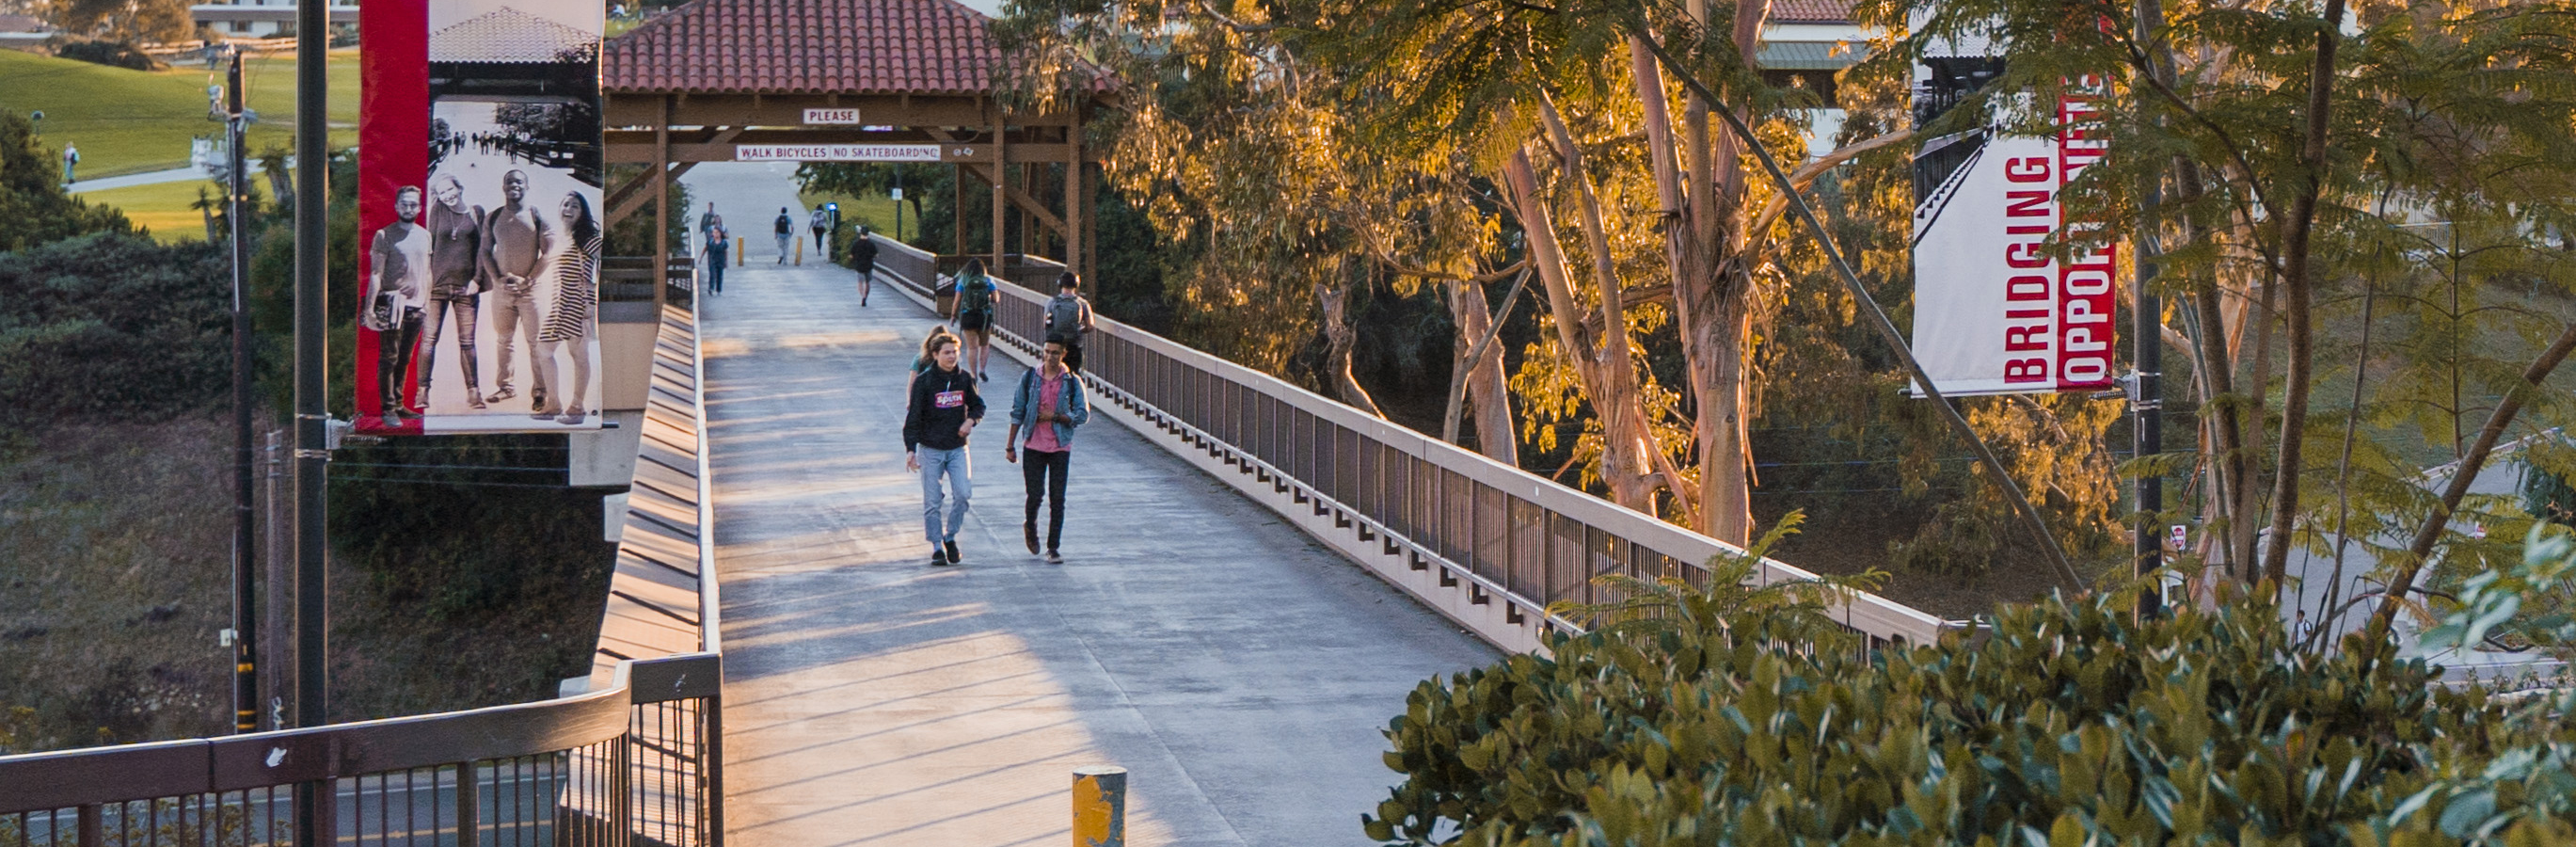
x=636, y=764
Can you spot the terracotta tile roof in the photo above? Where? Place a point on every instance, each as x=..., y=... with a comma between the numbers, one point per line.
x=1811, y=11
x=509, y=35
x=806, y=47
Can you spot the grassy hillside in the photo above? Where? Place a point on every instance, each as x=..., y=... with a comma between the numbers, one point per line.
x=163, y=207
x=128, y=121
x=115, y=561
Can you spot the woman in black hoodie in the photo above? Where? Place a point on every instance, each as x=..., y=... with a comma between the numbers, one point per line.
x=943, y=411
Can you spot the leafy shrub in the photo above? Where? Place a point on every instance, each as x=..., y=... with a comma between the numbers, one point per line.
x=2069, y=724
x=112, y=325
x=32, y=199
x=115, y=54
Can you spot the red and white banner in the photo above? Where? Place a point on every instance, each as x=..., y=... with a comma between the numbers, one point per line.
x=479, y=216
x=1996, y=309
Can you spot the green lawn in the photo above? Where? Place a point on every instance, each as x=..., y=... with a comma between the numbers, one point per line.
x=876, y=212
x=164, y=207
x=127, y=121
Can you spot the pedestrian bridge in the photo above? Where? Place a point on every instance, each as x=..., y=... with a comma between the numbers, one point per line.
x=1255, y=576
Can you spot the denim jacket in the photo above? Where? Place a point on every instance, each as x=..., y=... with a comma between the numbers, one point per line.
x=1070, y=409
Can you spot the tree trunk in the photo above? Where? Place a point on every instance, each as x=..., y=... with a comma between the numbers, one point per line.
x=2421, y=550
x=1628, y=439
x=1712, y=319
x=1339, y=338
x=1566, y=313
x=1481, y=381
x=2229, y=465
x=2296, y=289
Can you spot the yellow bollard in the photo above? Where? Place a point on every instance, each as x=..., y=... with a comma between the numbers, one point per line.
x=1100, y=806
x=800, y=252
x=739, y=254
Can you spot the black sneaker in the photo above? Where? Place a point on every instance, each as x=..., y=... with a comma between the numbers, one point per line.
x=1029, y=533
x=1055, y=558
x=938, y=557
x=951, y=546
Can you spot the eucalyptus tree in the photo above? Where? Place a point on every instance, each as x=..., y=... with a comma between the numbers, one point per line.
x=1276, y=212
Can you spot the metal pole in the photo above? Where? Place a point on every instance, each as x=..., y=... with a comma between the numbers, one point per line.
x=2146, y=397
x=245, y=528
x=279, y=665
x=313, y=826
x=1100, y=806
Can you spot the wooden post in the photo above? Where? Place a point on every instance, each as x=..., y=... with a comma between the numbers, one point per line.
x=1073, y=217
x=957, y=205
x=661, y=273
x=1001, y=188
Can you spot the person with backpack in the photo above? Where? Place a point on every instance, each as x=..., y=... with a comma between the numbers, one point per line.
x=719, y=243
x=943, y=411
x=1068, y=319
x=786, y=227
x=863, y=256
x=975, y=292
x=1050, y=405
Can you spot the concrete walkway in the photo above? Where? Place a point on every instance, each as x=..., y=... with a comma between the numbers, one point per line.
x=1239, y=671
x=190, y=173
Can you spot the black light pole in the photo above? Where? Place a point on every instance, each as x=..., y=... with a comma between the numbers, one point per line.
x=245, y=603
x=2146, y=390
x=313, y=826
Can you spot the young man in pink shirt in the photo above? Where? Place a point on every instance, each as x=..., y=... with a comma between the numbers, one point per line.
x=1047, y=407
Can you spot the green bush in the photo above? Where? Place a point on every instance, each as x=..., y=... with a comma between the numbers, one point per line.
x=2069, y=723
x=114, y=54
x=32, y=199
x=112, y=325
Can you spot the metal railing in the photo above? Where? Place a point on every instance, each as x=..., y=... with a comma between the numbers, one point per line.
x=637, y=760
x=629, y=279
x=1496, y=531
x=530, y=774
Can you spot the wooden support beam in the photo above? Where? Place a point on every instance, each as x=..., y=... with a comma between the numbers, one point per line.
x=1019, y=198
x=626, y=201
x=662, y=176
x=1001, y=176
x=1074, y=237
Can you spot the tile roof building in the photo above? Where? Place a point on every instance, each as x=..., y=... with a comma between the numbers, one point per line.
x=847, y=47
x=510, y=36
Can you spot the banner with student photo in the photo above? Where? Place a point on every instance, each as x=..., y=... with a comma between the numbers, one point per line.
x=1996, y=309
x=480, y=219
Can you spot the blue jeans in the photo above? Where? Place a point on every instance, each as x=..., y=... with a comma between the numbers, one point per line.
x=953, y=465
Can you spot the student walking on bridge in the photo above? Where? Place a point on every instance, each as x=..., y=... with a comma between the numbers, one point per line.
x=975, y=315
x=1049, y=403
x=863, y=256
x=1068, y=318
x=943, y=412
x=786, y=227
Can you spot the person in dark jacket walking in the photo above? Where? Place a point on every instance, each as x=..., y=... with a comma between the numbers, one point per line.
x=863, y=256
x=1068, y=318
x=786, y=227
x=943, y=412
x=1049, y=403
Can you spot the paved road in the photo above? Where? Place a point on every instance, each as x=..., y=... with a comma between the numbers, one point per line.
x=1239, y=671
